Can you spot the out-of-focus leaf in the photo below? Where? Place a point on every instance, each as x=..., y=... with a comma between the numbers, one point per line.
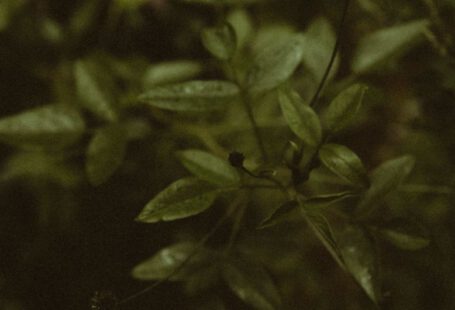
x=105, y=153
x=287, y=211
x=194, y=96
x=92, y=92
x=344, y=163
x=8, y=9
x=170, y=72
x=405, y=235
x=343, y=109
x=51, y=126
x=384, y=179
x=181, y=199
x=381, y=45
x=220, y=41
x=324, y=200
x=252, y=284
x=275, y=64
x=301, y=118
x=242, y=24
x=222, y=2
x=170, y=260
x=319, y=41
x=208, y=167
x=360, y=259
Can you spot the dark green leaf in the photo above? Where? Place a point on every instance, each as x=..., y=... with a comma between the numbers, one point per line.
x=170, y=72
x=252, y=284
x=181, y=199
x=343, y=108
x=344, y=163
x=381, y=45
x=287, y=211
x=325, y=200
x=275, y=64
x=405, y=235
x=105, y=153
x=196, y=96
x=222, y=2
x=46, y=126
x=360, y=259
x=384, y=179
x=208, y=167
x=92, y=92
x=301, y=118
x=178, y=260
x=220, y=41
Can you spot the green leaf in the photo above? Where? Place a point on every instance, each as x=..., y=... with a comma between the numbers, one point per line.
x=287, y=211
x=91, y=86
x=405, y=235
x=242, y=24
x=193, y=96
x=170, y=72
x=344, y=163
x=208, y=167
x=317, y=202
x=381, y=45
x=222, y=2
x=220, y=41
x=177, y=260
x=275, y=64
x=384, y=179
x=181, y=199
x=301, y=118
x=343, y=108
x=252, y=284
x=360, y=259
x=8, y=9
x=105, y=153
x=47, y=126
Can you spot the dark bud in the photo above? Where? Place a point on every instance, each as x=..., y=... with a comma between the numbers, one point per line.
x=103, y=300
x=236, y=159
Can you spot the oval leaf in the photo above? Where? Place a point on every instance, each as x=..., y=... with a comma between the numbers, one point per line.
x=47, y=126
x=181, y=199
x=193, y=96
x=275, y=64
x=287, y=211
x=208, y=167
x=220, y=41
x=405, y=235
x=343, y=108
x=301, y=118
x=384, y=179
x=252, y=284
x=105, y=153
x=344, y=163
x=170, y=72
x=385, y=43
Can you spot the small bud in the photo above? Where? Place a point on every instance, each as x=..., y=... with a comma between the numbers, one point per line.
x=236, y=159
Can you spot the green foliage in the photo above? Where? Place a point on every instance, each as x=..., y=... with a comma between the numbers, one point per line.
x=220, y=41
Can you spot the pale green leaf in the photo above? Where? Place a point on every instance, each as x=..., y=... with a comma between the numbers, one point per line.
x=381, y=45
x=343, y=162
x=47, y=126
x=105, y=153
x=220, y=41
x=275, y=64
x=343, y=109
x=170, y=72
x=92, y=92
x=194, y=96
x=242, y=24
x=208, y=167
x=252, y=284
x=301, y=118
x=181, y=199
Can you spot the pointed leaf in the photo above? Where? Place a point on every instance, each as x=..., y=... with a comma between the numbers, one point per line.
x=46, y=126
x=177, y=260
x=170, y=72
x=221, y=41
x=384, y=179
x=343, y=108
x=385, y=43
x=105, y=153
x=252, y=284
x=287, y=211
x=181, y=199
x=208, y=167
x=344, y=163
x=301, y=118
x=405, y=235
x=92, y=92
x=275, y=64
x=194, y=96
x=360, y=259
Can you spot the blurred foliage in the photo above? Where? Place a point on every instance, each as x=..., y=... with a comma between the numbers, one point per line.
x=276, y=191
